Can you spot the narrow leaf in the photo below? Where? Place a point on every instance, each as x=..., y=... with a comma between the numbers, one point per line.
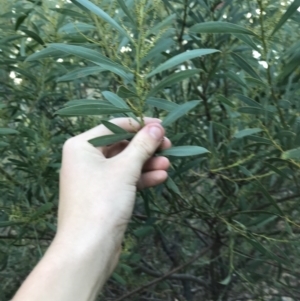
x=247, y=132
x=236, y=78
x=260, y=139
x=74, y=28
x=161, y=25
x=225, y=101
x=172, y=79
x=244, y=65
x=162, y=104
x=255, y=111
x=172, y=186
x=67, y=12
x=180, y=58
x=254, y=81
x=247, y=40
x=110, y=139
x=34, y=36
x=99, y=12
x=290, y=11
x=45, y=53
x=248, y=101
x=81, y=72
x=278, y=171
x=8, y=131
x=115, y=100
x=76, y=102
x=126, y=11
x=292, y=154
x=91, y=109
x=3, y=144
x=113, y=127
x=220, y=27
x=126, y=93
x=85, y=53
x=262, y=189
x=178, y=112
x=184, y=151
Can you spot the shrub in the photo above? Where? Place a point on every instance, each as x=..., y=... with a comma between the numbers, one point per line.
x=225, y=225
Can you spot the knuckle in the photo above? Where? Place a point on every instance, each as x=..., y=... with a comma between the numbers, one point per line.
x=71, y=144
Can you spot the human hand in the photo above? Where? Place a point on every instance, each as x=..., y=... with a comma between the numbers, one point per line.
x=98, y=185
x=97, y=193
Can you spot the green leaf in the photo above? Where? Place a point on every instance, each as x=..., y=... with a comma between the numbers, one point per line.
x=292, y=154
x=162, y=104
x=278, y=171
x=20, y=20
x=226, y=281
x=115, y=100
x=264, y=191
x=260, y=139
x=126, y=11
x=248, y=101
x=110, y=139
x=219, y=126
x=225, y=101
x=75, y=28
x=290, y=11
x=172, y=186
x=161, y=25
x=172, y=79
x=103, y=15
x=114, y=128
x=254, y=81
x=180, y=58
x=143, y=231
x=8, y=131
x=3, y=144
x=178, y=112
x=45, y=53
x=81, y=72
x=220, y=27
x=247, y=132
x=247, y=40
x=91, y=109
x=42, y=210
x=255, y=111
x=119, y=279
x=126, y=93
x=67, y=12
x=244, y=65
x=236, y=78
x=85, y=53
x=9, y=223
x=77, y=102
x=184, y=151
x=34, y=36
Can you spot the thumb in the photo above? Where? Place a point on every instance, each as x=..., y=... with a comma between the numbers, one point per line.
x=144, y=145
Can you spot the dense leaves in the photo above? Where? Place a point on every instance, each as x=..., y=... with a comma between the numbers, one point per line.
x=224, y=78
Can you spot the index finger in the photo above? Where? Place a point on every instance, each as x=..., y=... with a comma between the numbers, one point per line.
x=128, y=124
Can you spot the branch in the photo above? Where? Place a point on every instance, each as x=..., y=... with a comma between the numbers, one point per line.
x=163, y=277
x=185, y=277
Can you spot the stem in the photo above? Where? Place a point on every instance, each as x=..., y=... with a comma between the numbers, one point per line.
x=265, y=48
x=140, y=83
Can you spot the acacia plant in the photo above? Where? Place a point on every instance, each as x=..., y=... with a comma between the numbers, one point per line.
x=224, y=78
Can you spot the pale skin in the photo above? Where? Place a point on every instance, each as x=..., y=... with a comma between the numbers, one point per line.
x=97, y=193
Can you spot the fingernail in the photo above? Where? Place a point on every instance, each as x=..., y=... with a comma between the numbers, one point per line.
x=156, y=132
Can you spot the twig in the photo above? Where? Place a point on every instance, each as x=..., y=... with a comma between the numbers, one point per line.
x=163, y=277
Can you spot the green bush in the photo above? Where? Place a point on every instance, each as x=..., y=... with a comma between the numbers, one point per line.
x=225, y=226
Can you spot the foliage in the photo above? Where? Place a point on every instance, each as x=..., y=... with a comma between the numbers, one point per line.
x=224, y=77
